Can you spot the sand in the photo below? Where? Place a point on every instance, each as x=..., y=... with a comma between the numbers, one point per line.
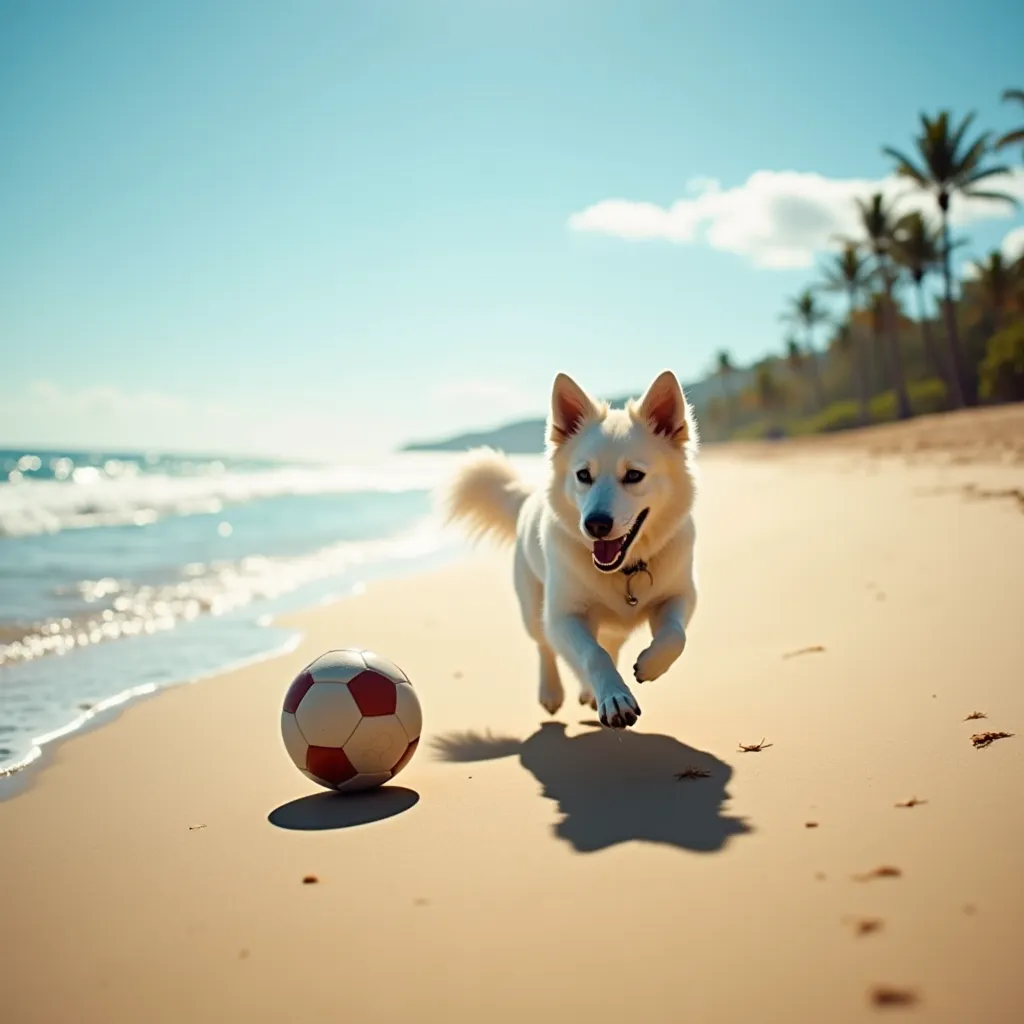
x=854, y=610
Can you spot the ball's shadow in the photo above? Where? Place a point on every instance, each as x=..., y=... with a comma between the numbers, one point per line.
x=324, y=811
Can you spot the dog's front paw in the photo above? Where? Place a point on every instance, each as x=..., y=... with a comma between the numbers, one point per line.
x=657, y=659
x=619, y=710
x=587, y=698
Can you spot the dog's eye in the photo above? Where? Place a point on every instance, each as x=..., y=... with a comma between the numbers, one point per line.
x=633, y=476
x=584, y=477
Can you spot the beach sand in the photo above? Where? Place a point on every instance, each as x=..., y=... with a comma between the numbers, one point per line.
x=854, y=610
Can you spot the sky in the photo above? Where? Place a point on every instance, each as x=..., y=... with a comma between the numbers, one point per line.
x=326, y=227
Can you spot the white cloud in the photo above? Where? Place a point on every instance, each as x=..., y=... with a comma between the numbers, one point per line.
x=1013, y=243
x=776, y=218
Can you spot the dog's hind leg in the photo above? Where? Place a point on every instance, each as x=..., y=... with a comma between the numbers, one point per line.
x=531, y=604
x=551, y=693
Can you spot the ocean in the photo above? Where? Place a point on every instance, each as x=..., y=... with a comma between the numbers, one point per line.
x=125, y=572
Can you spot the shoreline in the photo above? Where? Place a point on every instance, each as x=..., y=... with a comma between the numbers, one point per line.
x=16, y=776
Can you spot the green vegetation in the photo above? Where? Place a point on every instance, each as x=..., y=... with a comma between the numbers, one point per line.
x=1002, y=369
x=960, y=346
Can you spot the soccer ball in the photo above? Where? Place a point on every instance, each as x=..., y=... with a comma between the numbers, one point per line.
x=351, y=720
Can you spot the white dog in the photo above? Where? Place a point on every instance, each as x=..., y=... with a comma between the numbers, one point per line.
x=606, y=545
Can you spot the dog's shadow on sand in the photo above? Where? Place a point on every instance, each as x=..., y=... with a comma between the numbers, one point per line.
x=321, y=811
x=616, y=787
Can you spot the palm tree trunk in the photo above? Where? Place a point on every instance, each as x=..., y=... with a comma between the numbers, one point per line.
x=931, y=352
x=812, y=360
x=861, y=363
x=956, y=363
x=899, y=380
x=728, y=404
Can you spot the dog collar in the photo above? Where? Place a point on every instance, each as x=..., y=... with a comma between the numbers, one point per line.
x=629, y=571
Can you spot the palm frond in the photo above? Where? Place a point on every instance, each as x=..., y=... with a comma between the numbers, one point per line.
x=1009, y=139
x=958, y=137
x=1001, y=197
x=905, y=166
x=989, y=172
x=1013, y=94
x=962, y=166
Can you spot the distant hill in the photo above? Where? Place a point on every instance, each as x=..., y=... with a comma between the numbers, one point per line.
x=526, y=437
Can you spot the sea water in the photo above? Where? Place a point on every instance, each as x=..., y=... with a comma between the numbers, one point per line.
x=124, y=572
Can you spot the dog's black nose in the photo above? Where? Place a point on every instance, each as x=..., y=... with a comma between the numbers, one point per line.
x=598, y=525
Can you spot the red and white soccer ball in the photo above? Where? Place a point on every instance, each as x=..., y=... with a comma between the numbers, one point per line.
x=351, y=720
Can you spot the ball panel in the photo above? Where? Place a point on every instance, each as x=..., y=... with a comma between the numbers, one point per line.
x=330, y=764
x=313, y=778
x=405, y=758
x=328, y=714
x=300, y=684
x=374, y=693
x=408, y=710
x=294, y=742
x=376, y=744
x=367, y=781
x=337, y=666
x=384, y=667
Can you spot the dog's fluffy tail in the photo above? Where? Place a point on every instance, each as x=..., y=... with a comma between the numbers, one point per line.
x=485, y=495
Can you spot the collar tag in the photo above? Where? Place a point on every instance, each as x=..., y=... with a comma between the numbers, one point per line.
x=629, y=571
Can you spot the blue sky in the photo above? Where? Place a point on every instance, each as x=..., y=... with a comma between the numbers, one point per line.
x=329, y=226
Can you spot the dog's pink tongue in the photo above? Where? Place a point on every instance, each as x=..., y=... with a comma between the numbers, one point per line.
x=606, y=551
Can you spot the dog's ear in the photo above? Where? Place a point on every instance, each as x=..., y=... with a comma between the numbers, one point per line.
x=665, y=410
x=570, y=406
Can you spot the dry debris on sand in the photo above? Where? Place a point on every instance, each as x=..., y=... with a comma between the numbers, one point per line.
x=912, y=802
x=867, y=925
x=813, y=649
x=1015, y=494
x=885, y=871
x=984, y=739
x=887, y=995
x=975, y=714
x=754, y=748
x=690, y=772
x=310, y=880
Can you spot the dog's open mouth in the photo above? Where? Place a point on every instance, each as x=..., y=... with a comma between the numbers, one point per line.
x=610, y=554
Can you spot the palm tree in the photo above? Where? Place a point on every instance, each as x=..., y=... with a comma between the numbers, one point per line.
x=878, y=306
x=917, y=247
x=879, y=224
x=849, y=272
x=766, y=388
x=1018, y=283
x=805, y=312
x=1011, y=138
x=948, y=166
x=795, y=358
x=724, y=369
x=996, y=284
x=842, y=342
